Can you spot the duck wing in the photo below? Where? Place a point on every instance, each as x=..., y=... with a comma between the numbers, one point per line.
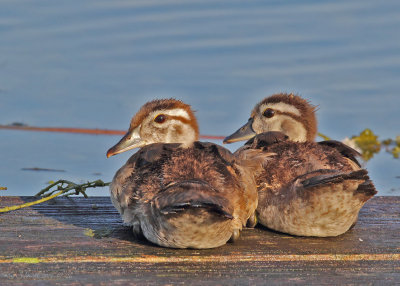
x=358, y=181
x=343, y=149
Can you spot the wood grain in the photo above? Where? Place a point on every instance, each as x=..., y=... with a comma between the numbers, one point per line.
x=80, y=241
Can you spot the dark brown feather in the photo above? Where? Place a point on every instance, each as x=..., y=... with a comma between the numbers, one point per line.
x=343, y=149
x=193, y=193
x=265, y=139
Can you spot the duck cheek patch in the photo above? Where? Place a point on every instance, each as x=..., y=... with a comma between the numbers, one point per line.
x=294, y=128
x=178, y=129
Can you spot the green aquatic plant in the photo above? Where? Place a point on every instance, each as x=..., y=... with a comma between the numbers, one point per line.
x=58, y=188
x=393, y=146
x=68, y=188
x=368, y=143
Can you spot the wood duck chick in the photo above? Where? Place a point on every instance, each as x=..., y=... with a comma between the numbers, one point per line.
x=176, y=191
x=304, y=188
x=287, y=113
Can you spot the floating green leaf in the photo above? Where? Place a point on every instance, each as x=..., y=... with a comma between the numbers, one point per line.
x=368, y=142
x=396, y=152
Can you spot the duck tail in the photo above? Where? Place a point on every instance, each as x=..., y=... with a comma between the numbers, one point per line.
x=367, y=190
x=192, y=195
x=191, y=214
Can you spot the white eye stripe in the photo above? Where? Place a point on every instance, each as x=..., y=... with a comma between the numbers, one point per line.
x=282, y=107
x=175, y=112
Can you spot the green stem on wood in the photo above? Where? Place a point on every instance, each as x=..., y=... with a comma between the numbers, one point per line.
x=48, y=194
x=13, y=208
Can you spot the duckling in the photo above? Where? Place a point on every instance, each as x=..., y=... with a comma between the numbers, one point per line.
x=175, y=191
x=304, y=188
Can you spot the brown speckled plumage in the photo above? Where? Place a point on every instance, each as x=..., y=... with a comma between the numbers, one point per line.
x=185, y=197
x=304, y=188
x=292, y=160
x=182, y=196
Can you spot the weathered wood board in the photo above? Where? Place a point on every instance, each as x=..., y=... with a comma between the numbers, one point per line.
x=82, y=241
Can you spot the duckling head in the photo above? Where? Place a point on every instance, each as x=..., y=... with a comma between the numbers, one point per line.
x=159, y=121
x=287, y=113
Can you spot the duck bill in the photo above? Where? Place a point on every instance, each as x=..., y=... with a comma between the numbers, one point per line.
x=130, y=141
x=245, y=132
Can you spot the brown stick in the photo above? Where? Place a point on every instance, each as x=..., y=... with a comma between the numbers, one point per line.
x=83, y=131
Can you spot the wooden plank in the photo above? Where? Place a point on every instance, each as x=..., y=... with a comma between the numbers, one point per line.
x=83, y=240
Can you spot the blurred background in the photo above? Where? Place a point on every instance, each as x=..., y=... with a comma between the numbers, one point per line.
x=92, y=64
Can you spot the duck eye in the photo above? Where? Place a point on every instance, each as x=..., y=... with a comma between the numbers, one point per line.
x=160, y=118
x=269, y=113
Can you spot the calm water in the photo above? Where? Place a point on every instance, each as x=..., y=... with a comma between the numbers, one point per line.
x=94, y=63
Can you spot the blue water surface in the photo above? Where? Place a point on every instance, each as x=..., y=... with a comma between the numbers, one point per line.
x=94, y=63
